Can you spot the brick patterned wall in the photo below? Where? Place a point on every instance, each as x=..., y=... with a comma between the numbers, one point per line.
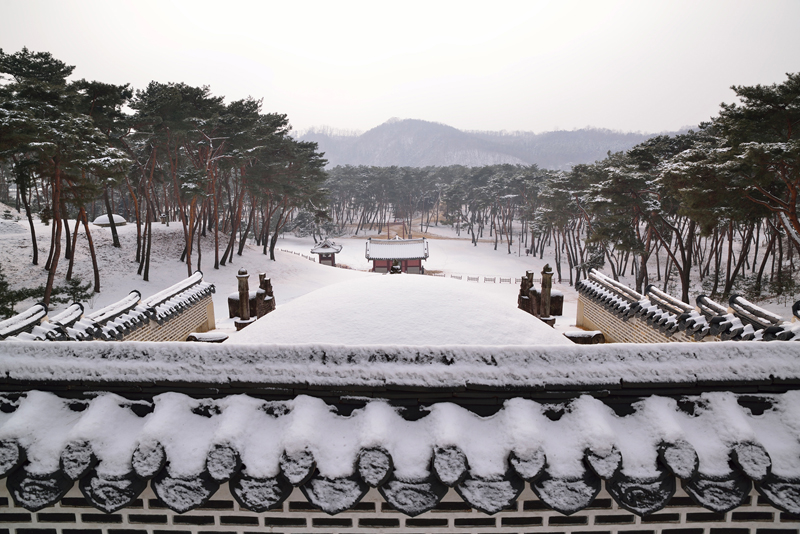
x=593, y=316
x=199, y=317
x=222, y=514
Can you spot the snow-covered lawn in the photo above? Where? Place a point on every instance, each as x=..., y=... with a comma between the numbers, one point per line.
x=403, y=309
x=292, y=275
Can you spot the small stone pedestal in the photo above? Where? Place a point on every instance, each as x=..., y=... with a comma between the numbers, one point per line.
x=585, y=337
x=550, y=321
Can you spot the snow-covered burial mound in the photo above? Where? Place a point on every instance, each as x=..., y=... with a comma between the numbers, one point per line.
x=103, y=220
x=400, y=310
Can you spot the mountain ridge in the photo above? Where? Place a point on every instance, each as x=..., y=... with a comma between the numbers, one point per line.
x=419, y=143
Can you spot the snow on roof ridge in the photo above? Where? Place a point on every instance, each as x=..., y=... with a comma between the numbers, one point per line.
x=441, y=366
x=397, y=249
x=627, y=292
x=668, y=299
x=110, y=312
x=164, y=295
x=325, y=246
x=739, y=303
x=27, y=319
x=71, y=314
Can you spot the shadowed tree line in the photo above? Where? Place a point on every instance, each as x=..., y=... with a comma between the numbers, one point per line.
x=169, y=151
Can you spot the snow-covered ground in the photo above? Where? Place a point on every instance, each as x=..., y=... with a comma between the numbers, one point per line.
x=293, y=275
x=405, y=309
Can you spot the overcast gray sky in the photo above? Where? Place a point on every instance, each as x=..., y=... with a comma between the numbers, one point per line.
x=519, y=65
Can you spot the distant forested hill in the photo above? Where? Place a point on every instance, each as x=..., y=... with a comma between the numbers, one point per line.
x=417, y=143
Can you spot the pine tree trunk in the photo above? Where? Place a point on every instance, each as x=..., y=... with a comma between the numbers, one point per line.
x=68, y=240
x=138, y=221
x=216, y=220
x=742, y=257
x=48, y=290
x=243, y=239
x=74, y=244
x=25, y=203
x=199, y=237
x=49, y=261
x=92, y=253
x=114, y=235
x=779, y=275
x=730, y=255
x=146, y=276
x=764, y=264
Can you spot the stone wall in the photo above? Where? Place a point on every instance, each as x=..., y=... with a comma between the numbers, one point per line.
x=197, y=317
x=593, y=316
x=222, y=514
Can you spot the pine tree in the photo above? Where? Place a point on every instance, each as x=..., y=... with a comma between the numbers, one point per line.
x=763, y=141
x=41, y=125
x=7, y=297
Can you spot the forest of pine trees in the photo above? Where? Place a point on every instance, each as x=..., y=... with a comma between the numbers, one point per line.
x=183, y=154
x=719, y=203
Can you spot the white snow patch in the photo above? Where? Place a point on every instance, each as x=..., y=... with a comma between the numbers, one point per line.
x=400, y=310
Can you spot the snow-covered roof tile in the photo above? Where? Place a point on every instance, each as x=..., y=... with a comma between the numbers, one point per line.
x=23, y=322
x=397, y=249
x=670, y=315
x=112, y=445
x=111, y=322
x=112, y=311
x=326, y=247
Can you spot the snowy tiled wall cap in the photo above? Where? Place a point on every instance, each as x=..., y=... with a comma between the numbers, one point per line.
x=669, y=315
x=116, y=321
x=187, y=447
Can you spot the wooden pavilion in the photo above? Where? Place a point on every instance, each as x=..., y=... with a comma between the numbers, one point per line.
x=327, y=251
x=404, y=255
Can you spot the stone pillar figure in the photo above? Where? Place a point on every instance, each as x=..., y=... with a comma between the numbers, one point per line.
x=524, y=297
x=547, y=286
x=244, y=299
x=266, y=285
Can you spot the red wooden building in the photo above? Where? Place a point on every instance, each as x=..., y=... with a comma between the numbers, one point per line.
x=327, y=252
x=405, y=255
